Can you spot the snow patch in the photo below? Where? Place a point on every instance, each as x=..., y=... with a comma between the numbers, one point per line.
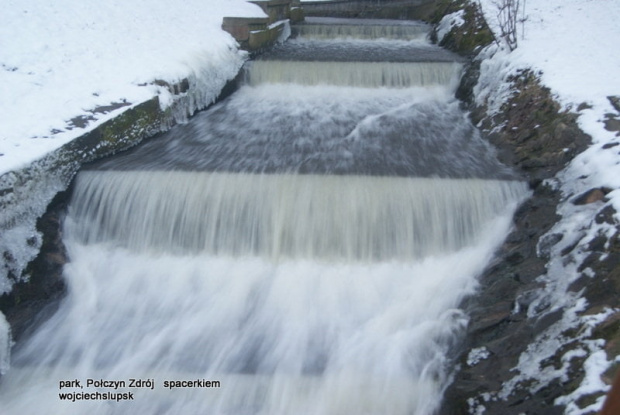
x=476, y=355
x=449, y=22
x=493, y=88
x=60, y=59
x=593, y=366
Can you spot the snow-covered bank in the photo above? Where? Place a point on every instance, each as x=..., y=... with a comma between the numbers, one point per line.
x=567, y=45
x=64, y=59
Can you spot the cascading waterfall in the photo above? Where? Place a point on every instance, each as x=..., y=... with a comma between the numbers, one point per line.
x=355, y=63
x=330, y=28
x=353, y=218
x=303, y=248
x=373, y=74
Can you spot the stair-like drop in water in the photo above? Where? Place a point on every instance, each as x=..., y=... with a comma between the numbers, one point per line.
x=297, y=249
x=332, y=28
x=286, y=217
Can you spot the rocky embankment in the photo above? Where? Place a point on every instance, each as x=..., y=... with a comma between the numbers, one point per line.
x=510, y=317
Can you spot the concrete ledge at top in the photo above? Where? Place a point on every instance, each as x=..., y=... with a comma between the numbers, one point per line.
x=264, y=38
x=382, y=9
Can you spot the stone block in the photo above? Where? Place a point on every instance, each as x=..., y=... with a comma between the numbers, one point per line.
x=264, y=38
x=297, y=15
x=241, y=27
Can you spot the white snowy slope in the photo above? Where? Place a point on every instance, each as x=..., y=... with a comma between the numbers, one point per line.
x=60, y=59
x=571, y=43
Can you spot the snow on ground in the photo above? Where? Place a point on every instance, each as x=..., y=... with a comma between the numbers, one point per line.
x=570, y=43
x=449, y=22
x=60, y=59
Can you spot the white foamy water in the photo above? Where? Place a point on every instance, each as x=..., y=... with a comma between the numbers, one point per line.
x=304, y=336
x=275, y=216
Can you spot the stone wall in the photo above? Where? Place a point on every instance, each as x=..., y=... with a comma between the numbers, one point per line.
x=533, y=134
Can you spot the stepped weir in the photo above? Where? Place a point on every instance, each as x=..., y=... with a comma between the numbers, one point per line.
x=300, y=248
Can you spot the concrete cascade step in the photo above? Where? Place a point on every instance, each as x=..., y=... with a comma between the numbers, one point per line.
x=331, y=27
x=355, y=63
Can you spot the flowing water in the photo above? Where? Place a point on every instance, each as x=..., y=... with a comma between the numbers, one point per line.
x=304, y=245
